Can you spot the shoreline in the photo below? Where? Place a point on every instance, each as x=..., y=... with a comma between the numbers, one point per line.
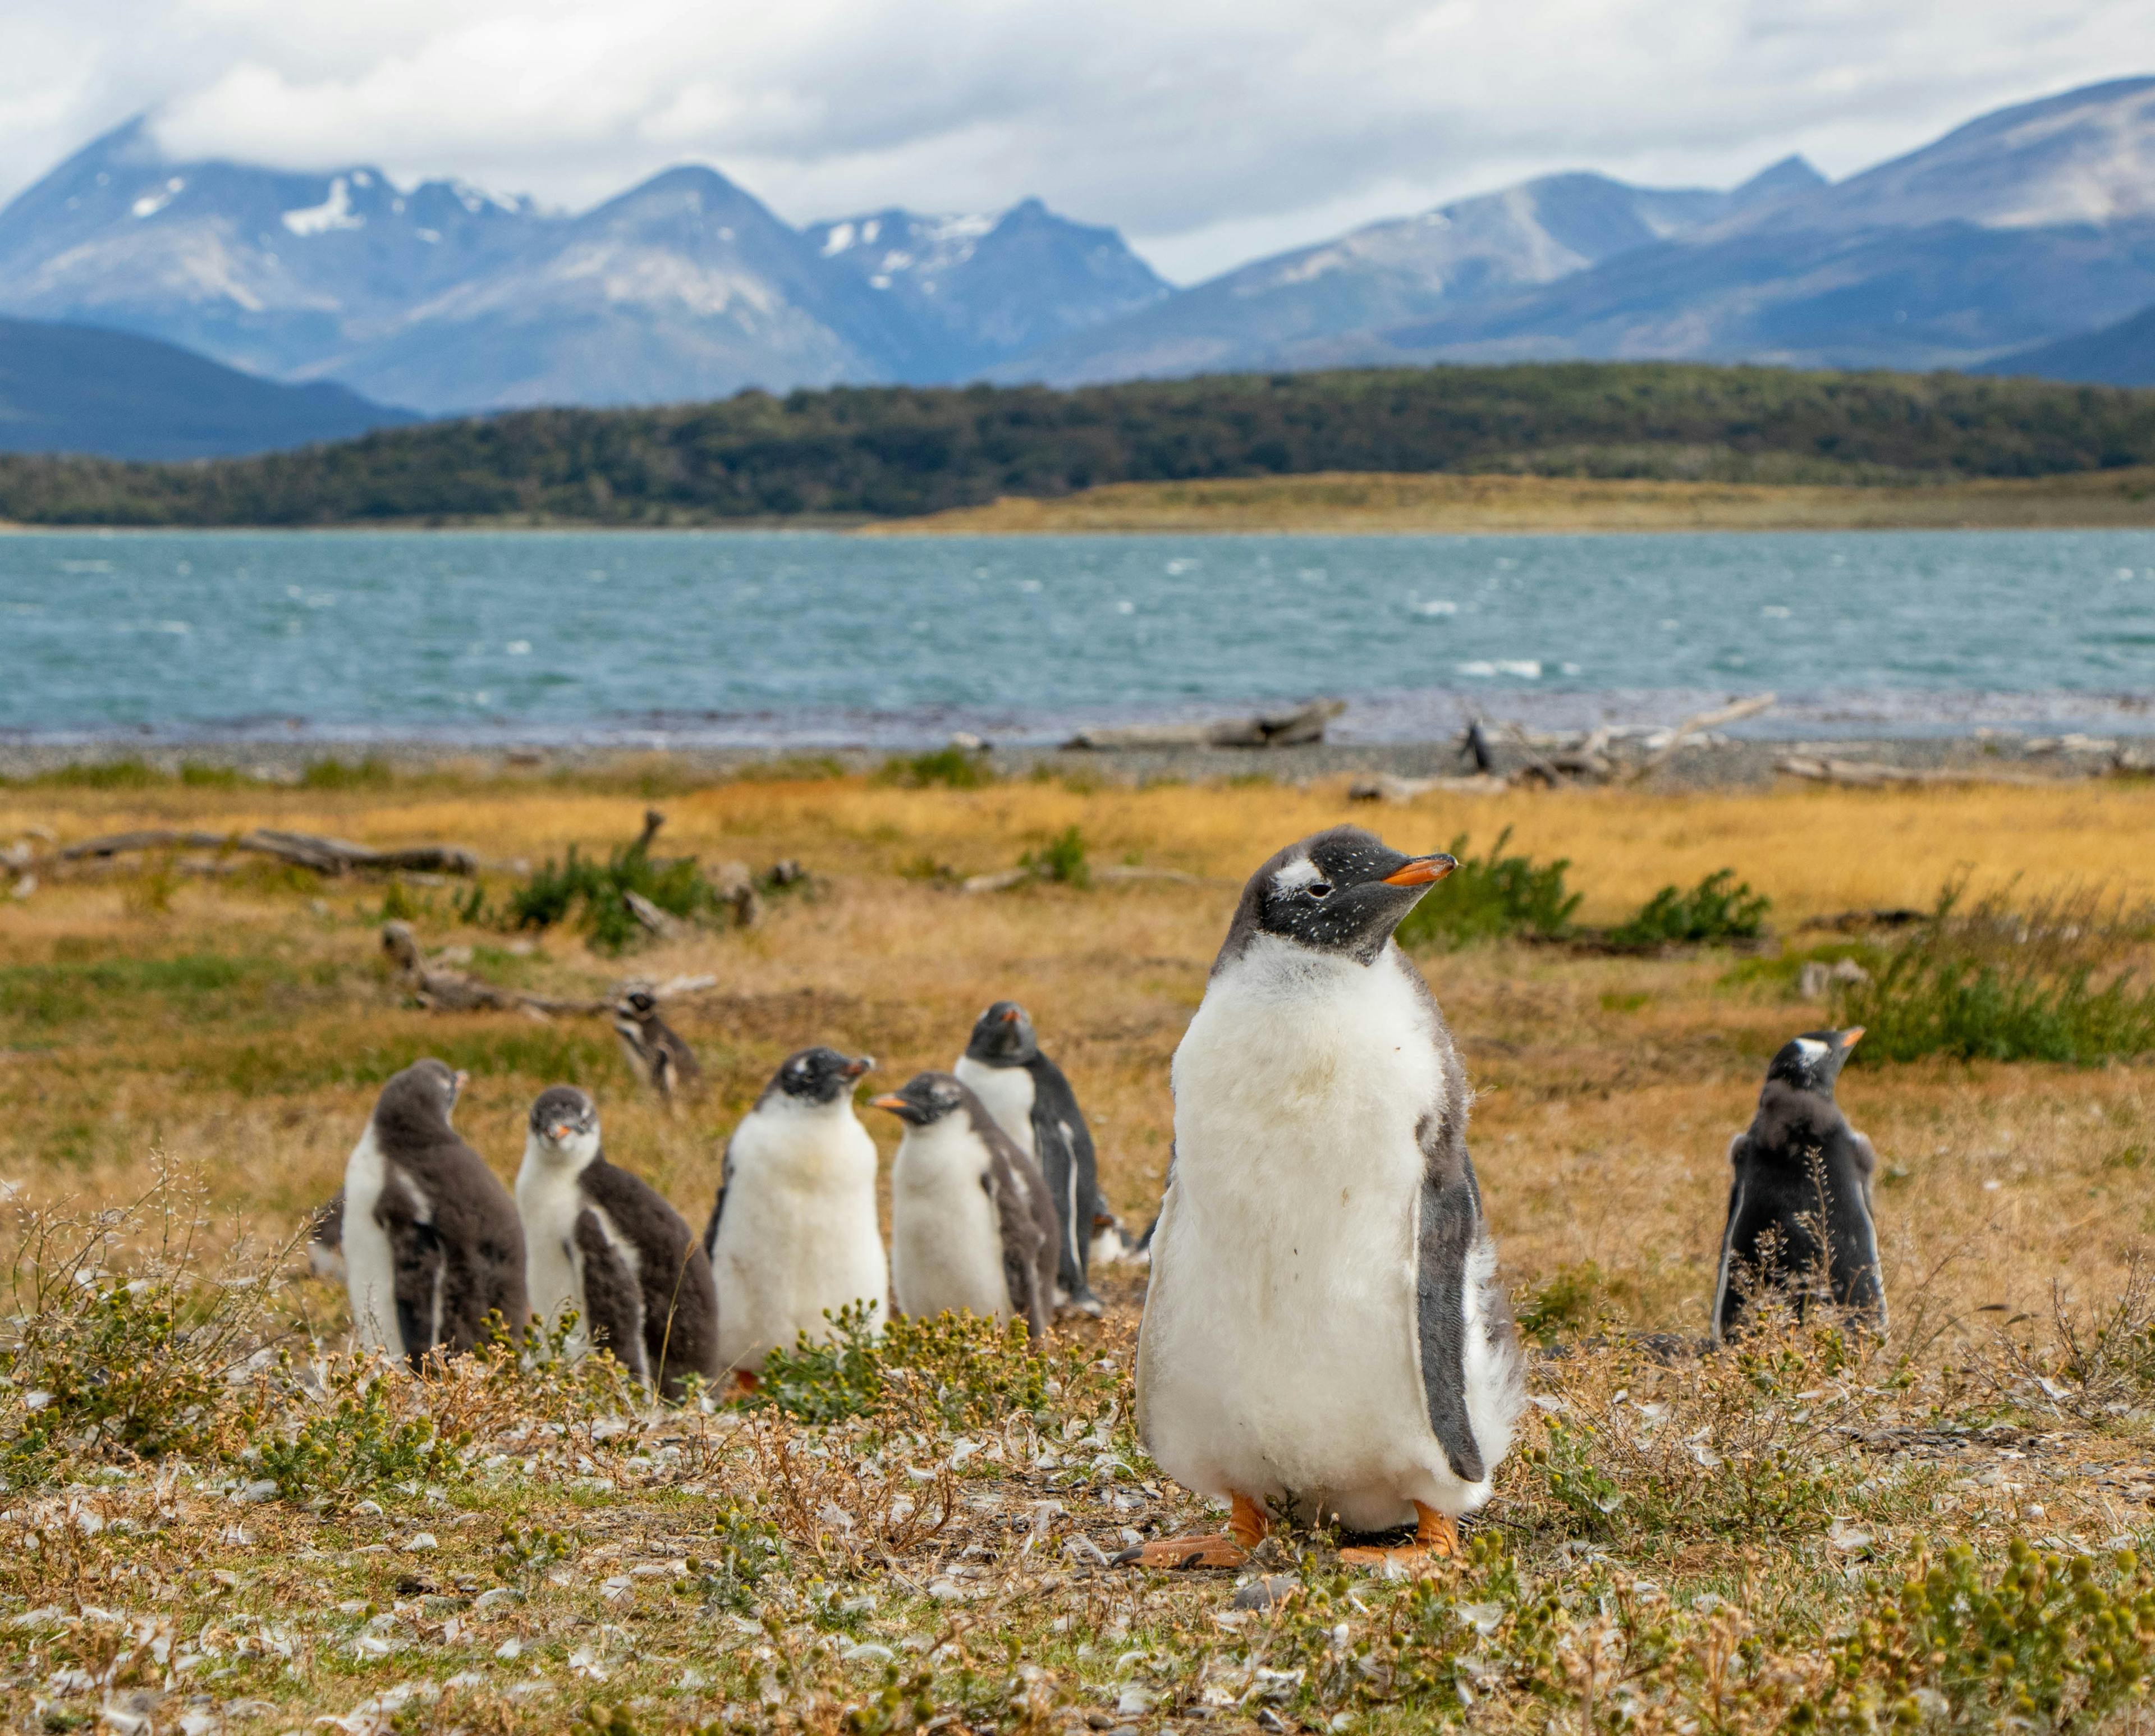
x=1708, y=764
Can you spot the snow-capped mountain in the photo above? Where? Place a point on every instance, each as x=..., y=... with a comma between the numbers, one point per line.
x=979, y=290
x=1308, y=307
x=445, y=298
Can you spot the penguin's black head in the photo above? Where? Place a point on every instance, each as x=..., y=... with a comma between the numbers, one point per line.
x=562, y=1113
x=924, y=1099
x=1004, y=1036
x=418, y=1100
x=1341, y=891
x=819, y=1075
x=1813, y=1061
x=636, y=1002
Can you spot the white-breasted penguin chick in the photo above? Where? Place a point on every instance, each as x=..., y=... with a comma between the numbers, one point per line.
x=793, y=1235
x=1798, y=1168
x=1032, y=1102
x=657, y=1054
x=604, y=1243
x=431, y=1245
x=972, y=1228
x=1323, y=1326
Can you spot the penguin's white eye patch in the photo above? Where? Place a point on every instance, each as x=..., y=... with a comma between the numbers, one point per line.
x=1811, y=1049
x=1297, y=874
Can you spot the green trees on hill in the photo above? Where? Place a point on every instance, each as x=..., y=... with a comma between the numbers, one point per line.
x=859, y=451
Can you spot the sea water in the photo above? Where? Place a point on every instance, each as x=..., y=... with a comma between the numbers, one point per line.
x=755, y=638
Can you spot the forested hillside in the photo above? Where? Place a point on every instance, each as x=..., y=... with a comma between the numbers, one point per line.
x=890, y=452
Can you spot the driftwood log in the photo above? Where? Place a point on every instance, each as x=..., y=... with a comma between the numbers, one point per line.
x=302, y=849
x=1300, y=727
x=1117, y=875
x=1734, y=712
x=443, y=990
x=1385, y=787
x=1863, y=774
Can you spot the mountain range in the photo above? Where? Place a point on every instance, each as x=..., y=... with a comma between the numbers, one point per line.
x=2014, y=243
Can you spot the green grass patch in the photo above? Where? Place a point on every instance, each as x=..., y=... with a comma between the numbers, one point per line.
x=371, y=773
x=952, y=768
x=1720, y=908
x=1492, y=896
x=595, y=893
x=71, y=992
x=1064, y=859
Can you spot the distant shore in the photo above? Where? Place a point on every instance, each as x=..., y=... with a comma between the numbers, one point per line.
x=1348, y=503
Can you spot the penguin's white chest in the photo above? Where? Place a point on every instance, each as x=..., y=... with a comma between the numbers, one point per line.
x=549, y=1199
x=946, y=1241
x=1007, y=1094
x=369, y=1267
x=1280, y=1353
x=798, y=1238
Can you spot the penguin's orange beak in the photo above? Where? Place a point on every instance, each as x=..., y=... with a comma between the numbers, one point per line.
x=560, y=1131
x=1852, y=1036
x=1423, y=870
x=854, y=1069
x=889, y=1100
x=1011, y=1017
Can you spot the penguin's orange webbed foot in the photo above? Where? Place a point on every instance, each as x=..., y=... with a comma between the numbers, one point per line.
x=1436, y=1539
x=1246, y=1526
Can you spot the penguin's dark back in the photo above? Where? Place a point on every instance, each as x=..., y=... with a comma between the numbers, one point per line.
x=680, y=1297
x=1800, y=1168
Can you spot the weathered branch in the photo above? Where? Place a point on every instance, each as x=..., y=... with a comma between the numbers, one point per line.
x=324, y=855
x=1298, y=727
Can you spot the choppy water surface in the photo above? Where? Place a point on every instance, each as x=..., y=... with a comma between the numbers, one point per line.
x=799, y=638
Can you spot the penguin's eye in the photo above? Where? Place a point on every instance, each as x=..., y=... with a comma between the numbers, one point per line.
x=1318, y=889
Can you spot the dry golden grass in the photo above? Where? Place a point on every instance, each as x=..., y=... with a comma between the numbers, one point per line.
x=238, y=1022
x=1348, y=502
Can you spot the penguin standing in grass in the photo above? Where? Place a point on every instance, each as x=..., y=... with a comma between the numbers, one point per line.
x=1800, y=1168
x=657, y=1054
x=793, y=1235
x=972, y=1228
x=604, y=1245
x=1324, y=1329
x=432, y=1251
x=1033, y=1103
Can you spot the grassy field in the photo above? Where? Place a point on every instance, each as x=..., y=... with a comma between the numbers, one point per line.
x=256, y=1540
x=1399, y=503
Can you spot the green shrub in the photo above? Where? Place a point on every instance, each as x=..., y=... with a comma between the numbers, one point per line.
x=1564, y=1306
x=1719, y=908
x=1061, y=859
x=365, y=1447
x=954, y=768
x=371, y=773
x=1999, y=984
x=965, y=1371
x=2052, y=1642
x=1488, y=897
x=594, y=890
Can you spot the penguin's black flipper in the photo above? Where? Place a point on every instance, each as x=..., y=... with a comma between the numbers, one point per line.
x=1725, y=1297
x=1449, y=1222
x=1025, y=1212
x=417, y=1259
x=1064, y=1145
x=613, y=1303
x=678, y=1303
x=1448, y=1225
x=719, y=1205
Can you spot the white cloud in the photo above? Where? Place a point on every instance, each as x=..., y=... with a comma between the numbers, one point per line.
x=1207, y=130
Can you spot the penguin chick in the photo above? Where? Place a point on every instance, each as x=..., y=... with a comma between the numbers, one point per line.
x=1323, y=1327
x=793, y=1234
x=604, y=1244
x=972, y=1229
x=326, y=1241
x=656, y=1051
x=431, y=1245
x=1032, y=1102
x=1798, y=1168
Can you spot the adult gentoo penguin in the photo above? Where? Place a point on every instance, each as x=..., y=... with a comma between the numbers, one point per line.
x=1033, y=1103
x=656, y=1051
x=1798, y=1168
x=1325, y=1328
x=602, y=1243
x=431, y=1245
x=971, y=1227
x=793, y=1234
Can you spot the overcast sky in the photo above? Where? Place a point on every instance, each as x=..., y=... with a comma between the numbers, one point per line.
x=1208, y=130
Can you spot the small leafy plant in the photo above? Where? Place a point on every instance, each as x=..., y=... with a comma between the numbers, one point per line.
x=1491, y=896
x=1063, y=859
x=964, y=1370
x=366, y=1446
x=1720, y=908
x=953, y=768
x=595, y=892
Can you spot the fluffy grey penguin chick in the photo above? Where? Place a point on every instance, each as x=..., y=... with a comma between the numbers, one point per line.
x=656, y=1051
x=603, y=1243
x=1323, y=1327
x=432, y=1244
x=972, y=1228
x=1800, y=1167
x=793, y=1234
x=1032, y=1102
